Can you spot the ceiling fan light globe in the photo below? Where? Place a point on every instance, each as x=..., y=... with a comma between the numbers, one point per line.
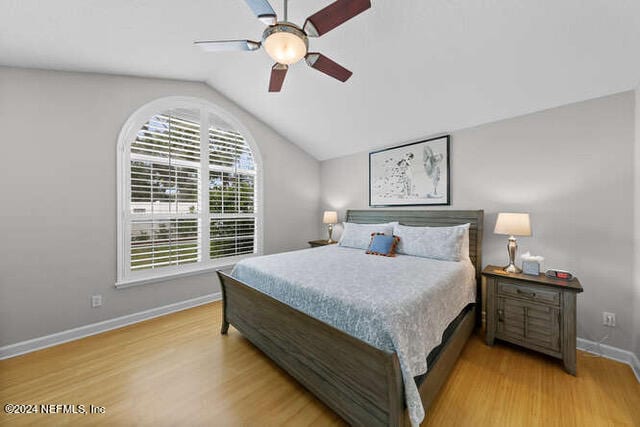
x=285, y=48
x=285, y=43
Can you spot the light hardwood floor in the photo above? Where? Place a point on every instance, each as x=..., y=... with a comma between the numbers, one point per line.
x=178, y=371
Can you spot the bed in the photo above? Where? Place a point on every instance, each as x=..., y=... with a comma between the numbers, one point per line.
x=359, y=375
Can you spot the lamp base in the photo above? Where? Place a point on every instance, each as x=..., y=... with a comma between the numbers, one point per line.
x=512, y=247
x=512, y=268
x=330, y=228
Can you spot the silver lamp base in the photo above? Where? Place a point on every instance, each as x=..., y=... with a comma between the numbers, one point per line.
x=512, y=268
x=330, y=227
x=512, y=247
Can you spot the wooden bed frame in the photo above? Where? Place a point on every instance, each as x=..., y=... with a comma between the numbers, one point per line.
x=361, y=383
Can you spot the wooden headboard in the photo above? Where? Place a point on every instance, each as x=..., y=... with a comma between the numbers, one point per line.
x=439, y=218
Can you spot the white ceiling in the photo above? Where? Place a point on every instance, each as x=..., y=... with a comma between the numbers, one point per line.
x=420, y=67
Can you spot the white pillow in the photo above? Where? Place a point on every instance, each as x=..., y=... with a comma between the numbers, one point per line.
x=443, y=243
x=358, y=236
x=465, y=242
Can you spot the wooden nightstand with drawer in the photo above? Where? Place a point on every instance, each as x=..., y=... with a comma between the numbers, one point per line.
x=317, y=243
x=536, y=312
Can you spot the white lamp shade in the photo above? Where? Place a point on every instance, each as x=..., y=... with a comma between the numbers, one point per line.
x=513, y=224
x=330, y=217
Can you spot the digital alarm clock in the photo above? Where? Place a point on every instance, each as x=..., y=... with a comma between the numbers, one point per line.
x=559, y=274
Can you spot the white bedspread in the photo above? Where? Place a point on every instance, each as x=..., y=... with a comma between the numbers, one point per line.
x=400, y=304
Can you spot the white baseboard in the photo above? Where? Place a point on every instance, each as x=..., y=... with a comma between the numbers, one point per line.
x=28, y=346
x=636, y=367
x=610, y=352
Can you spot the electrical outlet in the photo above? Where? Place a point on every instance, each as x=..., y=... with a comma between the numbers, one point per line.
x=96, y=301
x=609, y=319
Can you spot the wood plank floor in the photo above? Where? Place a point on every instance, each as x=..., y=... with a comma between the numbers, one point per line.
x=178, y=371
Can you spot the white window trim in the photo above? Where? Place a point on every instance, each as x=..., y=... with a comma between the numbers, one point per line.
x=125, y=277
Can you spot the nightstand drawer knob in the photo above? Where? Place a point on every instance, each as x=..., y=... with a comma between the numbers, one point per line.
x=525, y=293
x=500, y=315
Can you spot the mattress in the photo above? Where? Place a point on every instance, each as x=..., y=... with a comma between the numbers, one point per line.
x=400, y=304
x=446, y=335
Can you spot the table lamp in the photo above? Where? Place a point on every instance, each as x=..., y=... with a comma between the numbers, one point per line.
x=513, y=224
x=330, y=218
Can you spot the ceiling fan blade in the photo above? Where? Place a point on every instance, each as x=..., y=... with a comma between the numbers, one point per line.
x=227, y=45
x=278, y=73
x=335, y=14
x=327, y=66
x=263, y=10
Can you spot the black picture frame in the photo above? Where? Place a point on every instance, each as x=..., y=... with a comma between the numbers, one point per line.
x=400, y=163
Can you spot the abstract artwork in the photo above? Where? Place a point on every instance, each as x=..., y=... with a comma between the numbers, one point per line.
x=411, y=174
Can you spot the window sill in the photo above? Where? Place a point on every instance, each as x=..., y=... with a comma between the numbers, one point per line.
x=163, y=277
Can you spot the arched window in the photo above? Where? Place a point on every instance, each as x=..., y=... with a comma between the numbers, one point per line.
x=189, y=180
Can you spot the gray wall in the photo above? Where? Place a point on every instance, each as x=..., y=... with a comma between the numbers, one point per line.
x=58, y=198
x=572, y=168
x=637, y=227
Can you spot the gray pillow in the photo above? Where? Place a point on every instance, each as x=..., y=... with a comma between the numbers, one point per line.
x=443, y=243
x=358, y=236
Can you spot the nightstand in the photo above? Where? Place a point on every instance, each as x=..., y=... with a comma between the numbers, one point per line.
x=536, y=312
x=316, y=243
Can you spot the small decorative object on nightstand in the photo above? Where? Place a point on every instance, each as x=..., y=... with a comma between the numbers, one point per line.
x=316, y=243
x=513, y=224
x=536, y=312
x=330, y=218
x=531, y=264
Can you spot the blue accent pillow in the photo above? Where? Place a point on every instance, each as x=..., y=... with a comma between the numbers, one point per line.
x=382, y=244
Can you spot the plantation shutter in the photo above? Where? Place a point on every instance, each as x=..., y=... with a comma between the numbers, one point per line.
x=187, y=194
x=232, y=185
x=165, y=196
x=189, y=198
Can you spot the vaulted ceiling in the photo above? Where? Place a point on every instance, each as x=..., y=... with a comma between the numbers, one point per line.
x=420, y=67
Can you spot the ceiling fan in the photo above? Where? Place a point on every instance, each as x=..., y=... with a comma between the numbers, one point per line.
x=287, y=43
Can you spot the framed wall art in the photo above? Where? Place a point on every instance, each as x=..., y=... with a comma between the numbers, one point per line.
x=411, y=174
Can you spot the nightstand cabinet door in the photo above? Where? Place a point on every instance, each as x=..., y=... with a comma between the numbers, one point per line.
x=531, y=325
x=542, y=328
x=511, y=320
